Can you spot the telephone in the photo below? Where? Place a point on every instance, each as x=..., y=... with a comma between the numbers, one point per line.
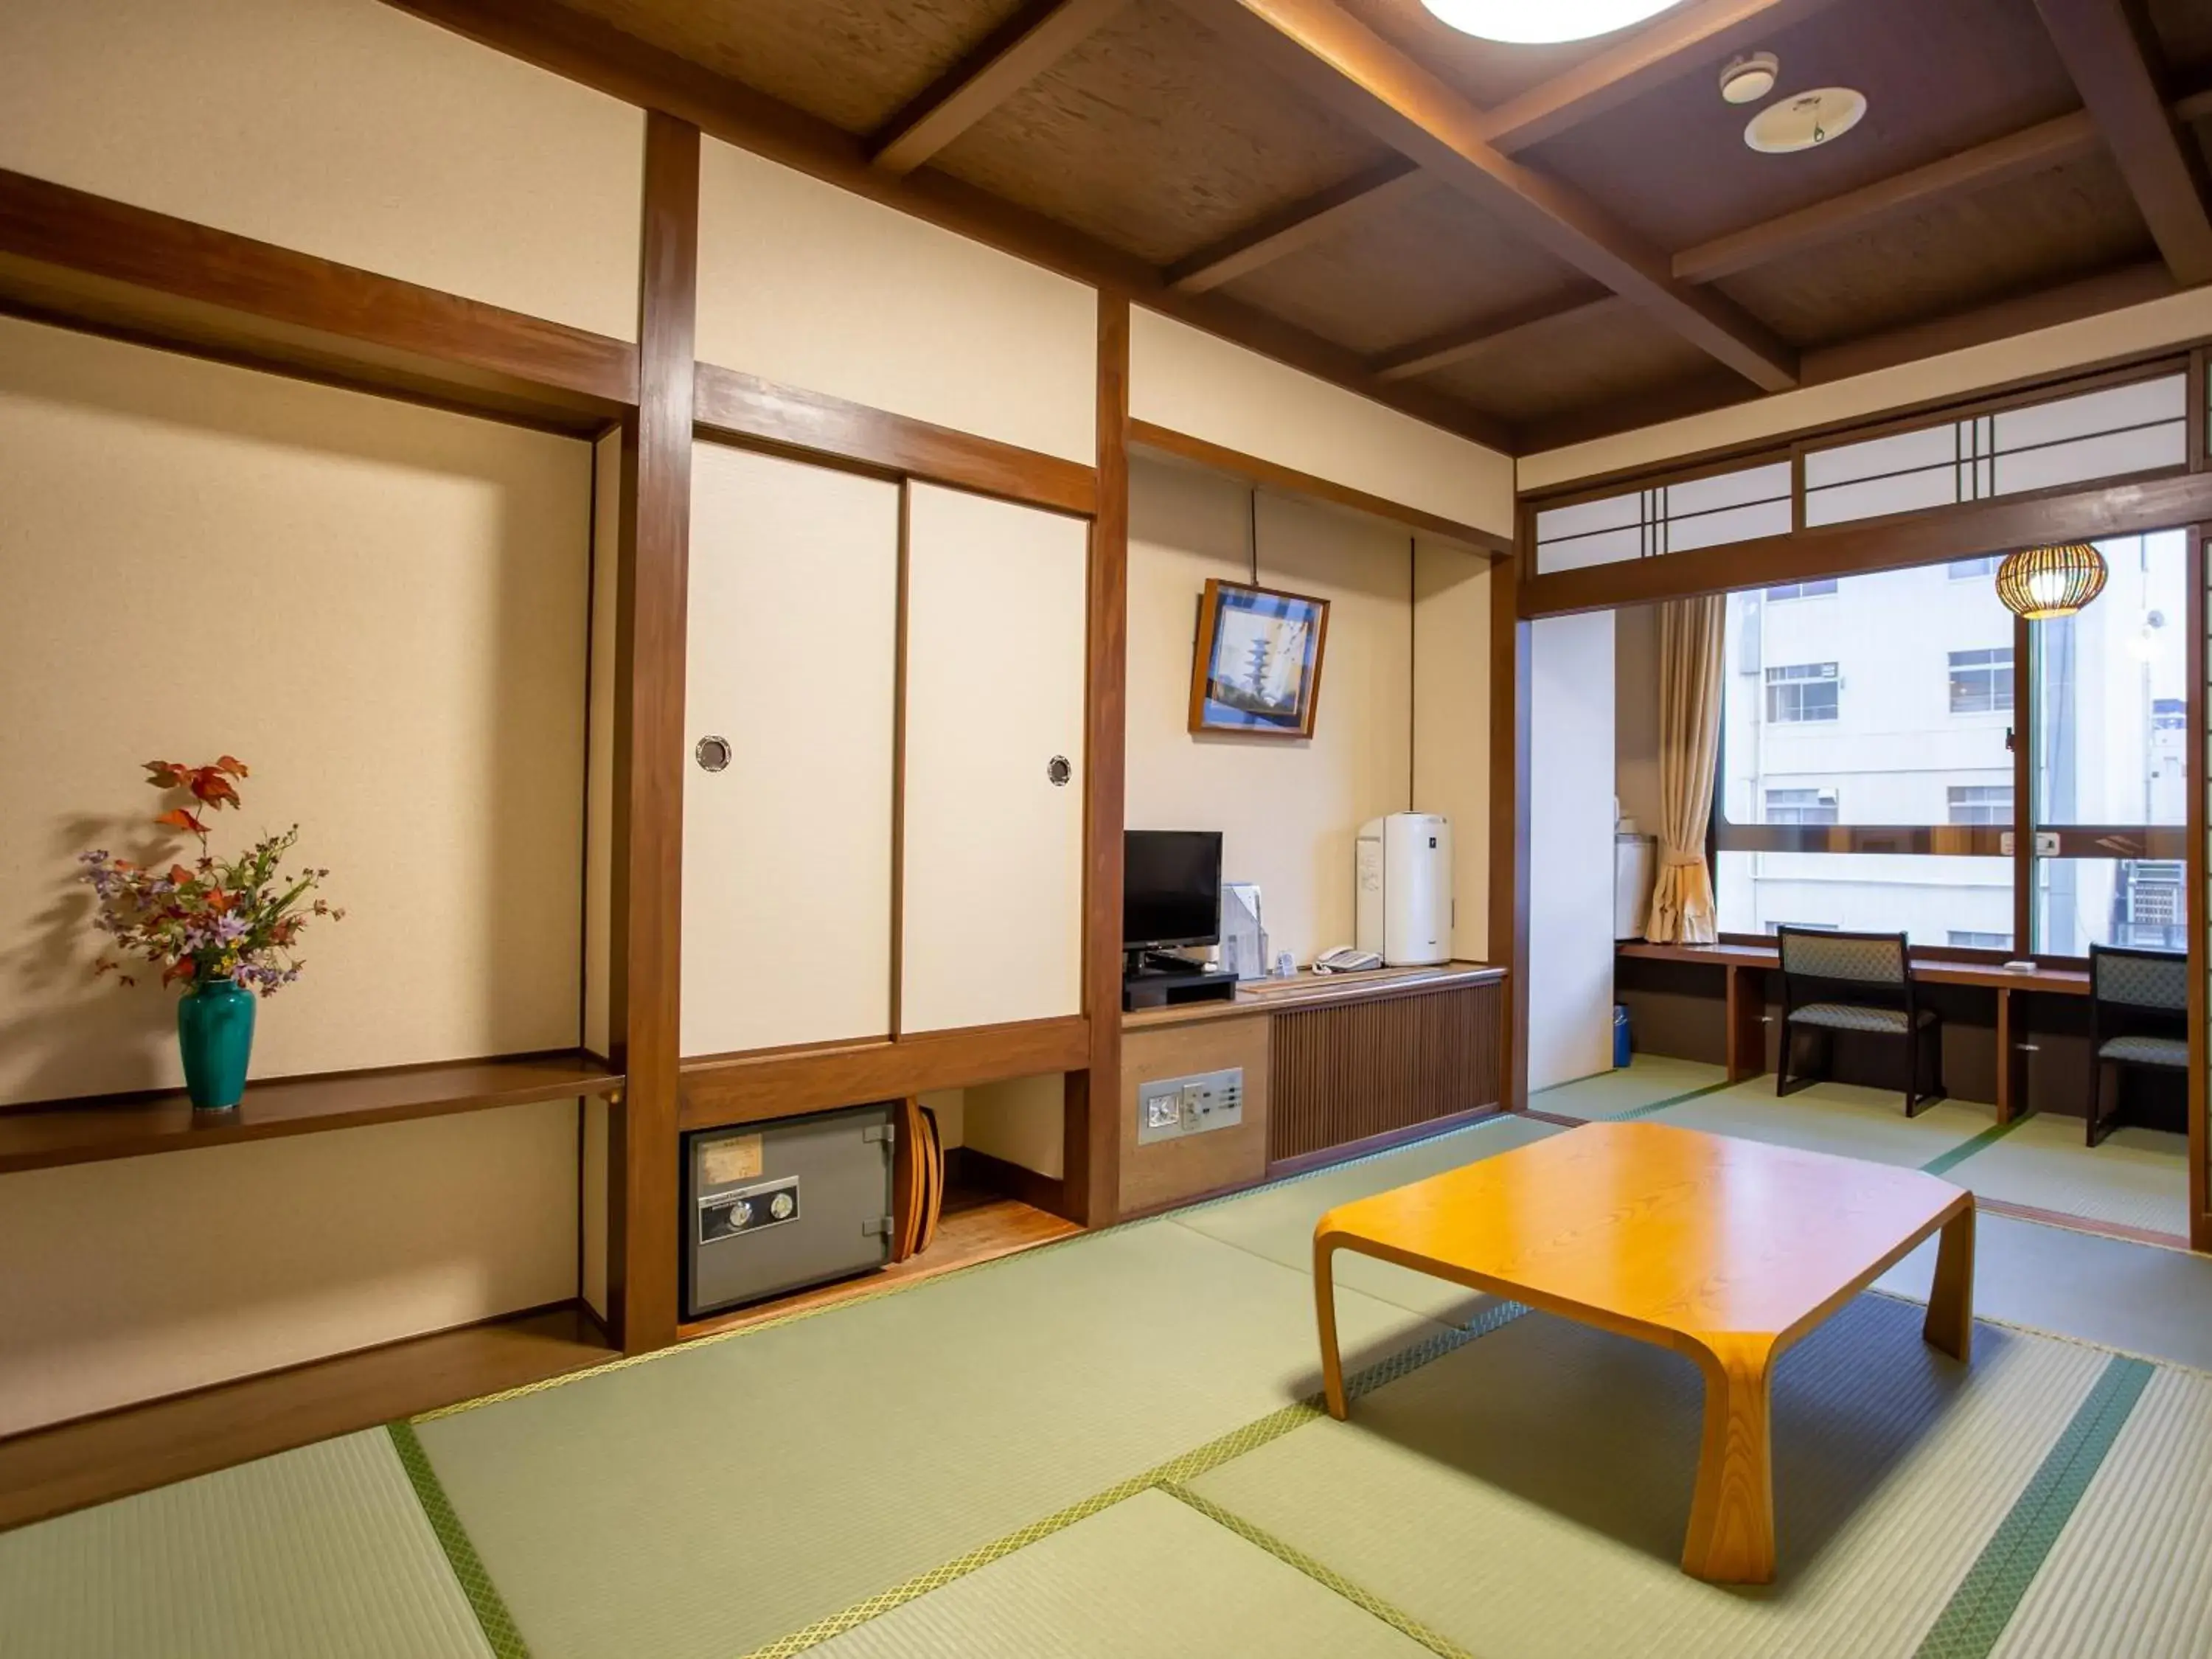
x=1346, y=960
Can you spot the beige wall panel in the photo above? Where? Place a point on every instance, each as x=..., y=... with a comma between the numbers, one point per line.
x=992, y=887
x=1571, y=827
x=1636, y=715
x=131, y=1280
x=380, y=608
x=342, y=128
x=2180, y=319
x=810, y=286
x=1451, y=724
x=599, y=756
x=1289, y=812
x=951, y=1106
x=791, y=657
x=1019, y=1121
x=592, y=1208
x=1195, y=383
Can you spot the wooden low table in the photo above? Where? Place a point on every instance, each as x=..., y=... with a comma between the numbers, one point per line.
x=1726, y=1250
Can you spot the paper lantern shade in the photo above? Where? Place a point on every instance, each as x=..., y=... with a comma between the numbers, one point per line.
x=2040, y=583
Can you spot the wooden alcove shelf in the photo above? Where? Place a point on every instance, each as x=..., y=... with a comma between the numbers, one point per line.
x=100, y=1127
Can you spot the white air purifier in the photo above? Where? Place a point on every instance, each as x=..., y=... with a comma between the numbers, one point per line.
x=1403, y=911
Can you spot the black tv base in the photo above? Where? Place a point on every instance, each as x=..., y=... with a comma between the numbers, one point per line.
x=1148, y=982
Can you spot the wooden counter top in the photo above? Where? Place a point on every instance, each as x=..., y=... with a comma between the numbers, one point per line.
x=1268, y=996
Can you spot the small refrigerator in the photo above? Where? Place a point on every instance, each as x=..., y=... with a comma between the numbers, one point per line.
x=1635, y=868
x=776, y=1206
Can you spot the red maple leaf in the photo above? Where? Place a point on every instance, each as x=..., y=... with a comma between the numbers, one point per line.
x=180, y=818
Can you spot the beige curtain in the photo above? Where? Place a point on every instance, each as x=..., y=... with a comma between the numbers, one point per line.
x=1689, y=749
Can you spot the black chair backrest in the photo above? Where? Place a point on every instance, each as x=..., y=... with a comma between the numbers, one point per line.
x=2156, y=980
x=1871, y=959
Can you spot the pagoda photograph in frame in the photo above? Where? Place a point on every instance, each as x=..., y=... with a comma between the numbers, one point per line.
x=1257, y=671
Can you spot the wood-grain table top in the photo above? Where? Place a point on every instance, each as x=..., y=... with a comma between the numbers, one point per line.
x=1669, y=1234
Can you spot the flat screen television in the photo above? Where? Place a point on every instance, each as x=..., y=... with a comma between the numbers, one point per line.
x=1170, y=888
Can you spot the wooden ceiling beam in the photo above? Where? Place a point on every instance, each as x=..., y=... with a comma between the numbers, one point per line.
x=2102, y=51
x=2013, y=156
x=1014, y=54
x=1470, y=340
x=1681, y=41
x=1322, y=49
x=1301, y=224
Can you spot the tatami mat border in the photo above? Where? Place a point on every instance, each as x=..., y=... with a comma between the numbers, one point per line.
x=484, y=1600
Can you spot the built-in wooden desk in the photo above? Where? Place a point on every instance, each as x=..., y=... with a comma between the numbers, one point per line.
x=1334, y=1064
x=1746, y=965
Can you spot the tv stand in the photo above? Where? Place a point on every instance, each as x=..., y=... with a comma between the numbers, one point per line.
x=1160, y=981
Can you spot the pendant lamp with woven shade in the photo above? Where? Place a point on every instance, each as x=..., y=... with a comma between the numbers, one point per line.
x=2040, y=583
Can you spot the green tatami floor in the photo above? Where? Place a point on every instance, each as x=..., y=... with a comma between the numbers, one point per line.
x=2134, y=1178
x=1107, y=1448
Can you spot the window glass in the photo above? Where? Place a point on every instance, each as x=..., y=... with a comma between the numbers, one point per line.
x=2141, y=902
x=2111, y=688
x=1965, y=938
x=1980, y=803
x=1800, y=806
x=1926, y=896
x=1960, y=570
x=1801, y=590
x=1888, y=693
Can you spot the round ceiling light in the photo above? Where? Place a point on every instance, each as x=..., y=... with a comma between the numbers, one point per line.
x=1538, y=23
x=1805, y=122
x=2040, y=583
x=1747, y=80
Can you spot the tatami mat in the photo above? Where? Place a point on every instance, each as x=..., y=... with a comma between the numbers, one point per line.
x=1833, y=1117
x=1278, y=1222
x=1527, y=1495
x=321, y=1552
x=698, y=1505
x=2131, y=1576
x=1149, y=1578
x=2134, y=1177
x=2137, y=1298
x=1646, y=1079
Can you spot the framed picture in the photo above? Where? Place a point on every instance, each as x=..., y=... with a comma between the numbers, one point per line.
x=1257, y=668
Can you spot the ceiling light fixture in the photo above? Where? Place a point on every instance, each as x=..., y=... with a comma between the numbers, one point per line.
x=2041, y=583
x=1747, y=80
x=1806, y=121
x=1538, y=23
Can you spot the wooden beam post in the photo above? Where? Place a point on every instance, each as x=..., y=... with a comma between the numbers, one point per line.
x=2199, y=925
x=2166, y=174
x=1510, y=691
x=648, y=750
x=1091, y=1140
x=1015, y=53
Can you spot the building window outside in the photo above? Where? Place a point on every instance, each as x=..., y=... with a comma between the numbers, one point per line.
x=1800, y=806
x=1966, y=940
x=1802, y=692
x=1979, y=803
x=1981, y=682
x=1961, y=570
x=1811, y=590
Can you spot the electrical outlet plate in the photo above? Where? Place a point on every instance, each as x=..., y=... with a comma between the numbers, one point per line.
x=1174, y=1106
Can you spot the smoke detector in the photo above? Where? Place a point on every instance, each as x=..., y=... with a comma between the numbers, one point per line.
x=1750, y=78
x=1806, y=121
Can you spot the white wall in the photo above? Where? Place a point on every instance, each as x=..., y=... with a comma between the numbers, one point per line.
x=1289, y=811
x=807, y=285
x=342, y=128
x=1571, y=831
x=1195, y=383
x=2146, y=327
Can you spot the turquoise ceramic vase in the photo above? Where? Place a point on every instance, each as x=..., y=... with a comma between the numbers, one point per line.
x=215, y=1030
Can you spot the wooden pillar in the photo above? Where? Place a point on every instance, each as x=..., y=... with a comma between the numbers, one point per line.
x=2195, y=906
x=1747, y=1022
x=1091, y=1147
x=648, y=750
x=1509, y=812
x=2011, y=1057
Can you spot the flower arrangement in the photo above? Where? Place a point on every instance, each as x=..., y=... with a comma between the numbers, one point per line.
x=236, y=918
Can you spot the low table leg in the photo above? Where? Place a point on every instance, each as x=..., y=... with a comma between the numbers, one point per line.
x=1332, y=1362
x=1731, y=1536
x=1950, y=1324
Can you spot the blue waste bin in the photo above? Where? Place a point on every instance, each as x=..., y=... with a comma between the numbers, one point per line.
x=1620, y=1046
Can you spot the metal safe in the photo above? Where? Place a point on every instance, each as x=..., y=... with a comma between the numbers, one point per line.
x=771, y=1207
